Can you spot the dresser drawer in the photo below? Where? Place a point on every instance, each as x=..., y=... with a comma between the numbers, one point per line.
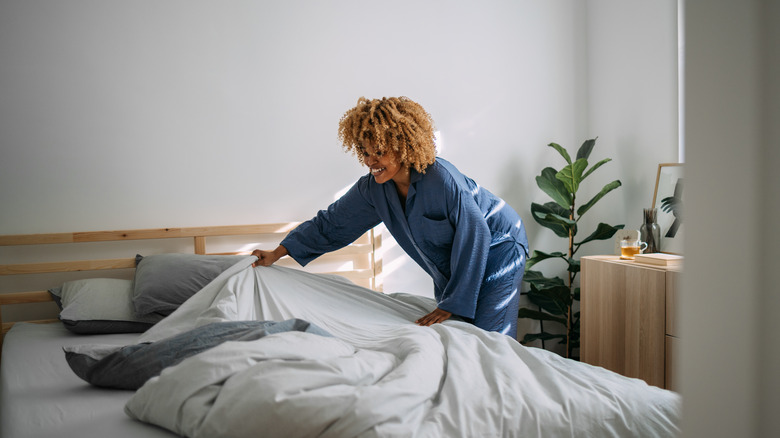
x=672, y=296
x=672, y=346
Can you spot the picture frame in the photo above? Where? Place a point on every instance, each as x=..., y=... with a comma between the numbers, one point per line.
x=668, y=200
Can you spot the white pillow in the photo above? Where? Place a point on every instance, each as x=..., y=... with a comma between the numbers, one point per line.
x=99, y=305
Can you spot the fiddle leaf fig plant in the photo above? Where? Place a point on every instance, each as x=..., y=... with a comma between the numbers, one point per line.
x=555, y=297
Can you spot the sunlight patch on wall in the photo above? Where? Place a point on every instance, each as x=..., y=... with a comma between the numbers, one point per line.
x=437, y=140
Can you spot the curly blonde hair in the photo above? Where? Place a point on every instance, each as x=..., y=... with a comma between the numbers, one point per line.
x=395, y=125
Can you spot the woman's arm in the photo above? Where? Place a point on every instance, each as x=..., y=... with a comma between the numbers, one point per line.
x=344, y=221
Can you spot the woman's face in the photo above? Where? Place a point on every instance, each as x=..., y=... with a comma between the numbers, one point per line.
x=383, y=167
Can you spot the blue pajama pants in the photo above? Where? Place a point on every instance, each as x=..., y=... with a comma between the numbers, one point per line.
x=499, y=297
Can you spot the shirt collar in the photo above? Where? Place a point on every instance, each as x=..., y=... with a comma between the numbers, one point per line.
x=414, y=175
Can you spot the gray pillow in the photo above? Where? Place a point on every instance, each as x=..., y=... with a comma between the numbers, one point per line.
x=99, y=305
x=164, y=281
x=131, y=366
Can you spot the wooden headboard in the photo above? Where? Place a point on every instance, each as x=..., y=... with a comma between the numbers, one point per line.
x=358, y=262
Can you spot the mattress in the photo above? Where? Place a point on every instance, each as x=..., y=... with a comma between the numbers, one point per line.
x=42, y=397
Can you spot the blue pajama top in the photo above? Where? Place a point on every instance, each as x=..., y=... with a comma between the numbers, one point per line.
x=448, y=227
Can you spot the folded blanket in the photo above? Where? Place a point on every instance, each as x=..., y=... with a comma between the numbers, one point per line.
x=131, y=366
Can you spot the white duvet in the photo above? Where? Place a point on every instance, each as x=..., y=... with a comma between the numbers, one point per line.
x=380, y=375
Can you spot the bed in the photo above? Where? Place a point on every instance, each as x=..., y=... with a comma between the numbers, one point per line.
x=277, y=351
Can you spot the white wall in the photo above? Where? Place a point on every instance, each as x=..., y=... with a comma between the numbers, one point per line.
x=184, y=113
x=730, y=298
x=176, y=113
x=632, y=96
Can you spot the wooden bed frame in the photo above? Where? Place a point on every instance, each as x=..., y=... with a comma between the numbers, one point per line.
x=358, y=262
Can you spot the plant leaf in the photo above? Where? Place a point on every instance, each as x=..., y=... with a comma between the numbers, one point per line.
x=561, y=151
x=554, y=187
x=563, y=221
x=545, y=302
x=539, y=280
x=596, y=166
x=603, y=232
x=538, y=256
x=571, y=175
x=556, y=209
x=604, y=190
x=543, y=336
x=541, y=316
x=574, y=265
x=554, y=300
x=548, y=216
x=586, y=148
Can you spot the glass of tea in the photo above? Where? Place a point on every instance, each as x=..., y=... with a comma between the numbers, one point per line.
x=629, y=248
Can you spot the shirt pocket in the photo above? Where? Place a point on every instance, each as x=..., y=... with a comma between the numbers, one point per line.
x=438, y=233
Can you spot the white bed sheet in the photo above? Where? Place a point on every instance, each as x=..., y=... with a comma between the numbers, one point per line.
x=381, y=375
x=41, y=397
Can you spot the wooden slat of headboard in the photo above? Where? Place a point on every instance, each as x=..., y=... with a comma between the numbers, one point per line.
x=40, y=296
x=71, y=266
x=152, y=233
x=355, y=249
x=35, y=239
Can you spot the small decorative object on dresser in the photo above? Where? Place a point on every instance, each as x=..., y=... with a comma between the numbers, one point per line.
x=659, y=259
x=650, y=232
x=668, y=197
x=622, y=235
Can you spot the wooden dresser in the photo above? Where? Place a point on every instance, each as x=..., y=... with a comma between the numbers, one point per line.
x=628, y=318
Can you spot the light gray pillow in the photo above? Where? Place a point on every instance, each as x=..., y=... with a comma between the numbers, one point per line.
x=99, y=305
x=164, y=281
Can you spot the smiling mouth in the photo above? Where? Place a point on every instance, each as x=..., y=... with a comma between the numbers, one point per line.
x=377, y=171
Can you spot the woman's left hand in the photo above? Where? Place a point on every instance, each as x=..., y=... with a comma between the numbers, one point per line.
x=434, y=317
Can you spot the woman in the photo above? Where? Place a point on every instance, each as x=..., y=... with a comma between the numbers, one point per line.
x=468, y=240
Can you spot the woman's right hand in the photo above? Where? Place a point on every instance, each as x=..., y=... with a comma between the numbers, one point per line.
x=268, y=258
